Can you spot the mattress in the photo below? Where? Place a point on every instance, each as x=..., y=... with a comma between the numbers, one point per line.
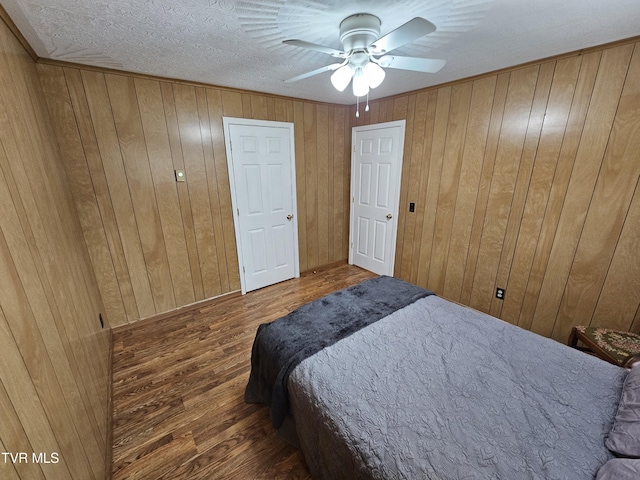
x=435, y=390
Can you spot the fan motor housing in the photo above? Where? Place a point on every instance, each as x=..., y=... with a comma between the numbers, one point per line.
x=359, y=30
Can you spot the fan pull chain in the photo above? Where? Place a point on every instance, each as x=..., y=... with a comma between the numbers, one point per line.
x=366, y=109
x=357, y=107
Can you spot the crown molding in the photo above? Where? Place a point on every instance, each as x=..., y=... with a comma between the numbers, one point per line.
x=17, y=33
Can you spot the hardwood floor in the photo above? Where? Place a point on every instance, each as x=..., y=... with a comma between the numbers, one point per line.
x=178, y=385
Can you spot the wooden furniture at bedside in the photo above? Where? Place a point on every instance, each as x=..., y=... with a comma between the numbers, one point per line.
x=616, y=347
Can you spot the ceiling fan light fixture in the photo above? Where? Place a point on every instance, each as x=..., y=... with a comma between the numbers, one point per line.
x=360, y=84
x=341, y=77
x=374, y=74
x=365, y=53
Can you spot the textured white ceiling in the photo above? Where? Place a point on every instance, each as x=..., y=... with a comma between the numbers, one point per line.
x=239, y=43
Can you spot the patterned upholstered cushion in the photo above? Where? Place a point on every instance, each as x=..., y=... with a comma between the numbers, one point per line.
x=618, y=344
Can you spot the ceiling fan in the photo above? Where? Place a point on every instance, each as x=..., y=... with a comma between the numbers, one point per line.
x=365, y=54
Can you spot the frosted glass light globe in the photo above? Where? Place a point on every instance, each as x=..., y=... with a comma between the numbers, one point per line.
x=341, y=77
x=374, y=74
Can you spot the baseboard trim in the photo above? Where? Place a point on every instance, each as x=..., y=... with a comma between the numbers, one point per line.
x=170, y=313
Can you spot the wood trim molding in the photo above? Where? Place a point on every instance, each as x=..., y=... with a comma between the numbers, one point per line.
x=175, y=312
x=553, y=58
x=17, y=33
x=209, y=301
x=178, y=81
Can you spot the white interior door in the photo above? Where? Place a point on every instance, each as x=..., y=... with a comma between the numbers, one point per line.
x=376, y=167
x=262, y=179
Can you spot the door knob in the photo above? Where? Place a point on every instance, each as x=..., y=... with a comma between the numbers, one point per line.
x=289, y=217
x=389, y=216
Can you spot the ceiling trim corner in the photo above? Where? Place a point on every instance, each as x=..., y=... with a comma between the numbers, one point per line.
x=6, y=18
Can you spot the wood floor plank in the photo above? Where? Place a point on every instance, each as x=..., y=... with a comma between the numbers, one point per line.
x=178, y=387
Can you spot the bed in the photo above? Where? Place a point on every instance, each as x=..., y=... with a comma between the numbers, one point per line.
x=386, y=380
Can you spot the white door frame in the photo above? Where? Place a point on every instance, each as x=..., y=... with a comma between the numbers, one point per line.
x=394, y=220
x=227, y=122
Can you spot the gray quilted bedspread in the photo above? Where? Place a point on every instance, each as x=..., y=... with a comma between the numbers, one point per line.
x=281, y=345
x=438, y=391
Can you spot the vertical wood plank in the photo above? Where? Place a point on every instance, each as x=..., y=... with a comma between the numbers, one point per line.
x=322, y=161
x=21, y=327
x=107, y=140
x=436, y=156
x=171, y=116
x=311, y=183
x=613, y=191
x=14, y=439
x=495, y=125
x=100, y=186
x=27, y=404
x=271, y=109
x=346, y=185
x=216, y=106
x=259, y=108
x=61, y=111
x=402, y=270
x=130, y=136
x=416, y=163
x=623, y=276
x=516, y=114
x=449, y=181
x=570, y=144
x=602, y=108
x=547, y=155
x=531, y=142
x=280, y=110
x=403, y=108
x=420, y=202
x=212, y=184
x=50, y=304
x=374, y=112
x=472, y=160
x=196, y=173
x=246, y=106
x=37, y=185
x=331, y=170
x=301, y=183
x=9, y=470
x=154, y=125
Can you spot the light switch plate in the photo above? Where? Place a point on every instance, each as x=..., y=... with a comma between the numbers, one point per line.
x=180, y=176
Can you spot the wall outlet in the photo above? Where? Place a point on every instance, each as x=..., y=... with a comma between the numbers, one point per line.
x=412, y=207
x=500, y=293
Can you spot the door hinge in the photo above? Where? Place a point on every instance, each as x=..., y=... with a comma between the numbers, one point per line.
x=243, y=270
x=238, y=210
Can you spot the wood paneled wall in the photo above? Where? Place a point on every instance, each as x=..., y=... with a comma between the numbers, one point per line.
x=54, y=356
x=157, y=244
x=527, y=180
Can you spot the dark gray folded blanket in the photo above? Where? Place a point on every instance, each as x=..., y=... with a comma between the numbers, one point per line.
x=281, y=345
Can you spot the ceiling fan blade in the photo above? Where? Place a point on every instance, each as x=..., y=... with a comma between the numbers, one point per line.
x=426, y=65
x=317, y=71
x=407, y=33
x=318, y=48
